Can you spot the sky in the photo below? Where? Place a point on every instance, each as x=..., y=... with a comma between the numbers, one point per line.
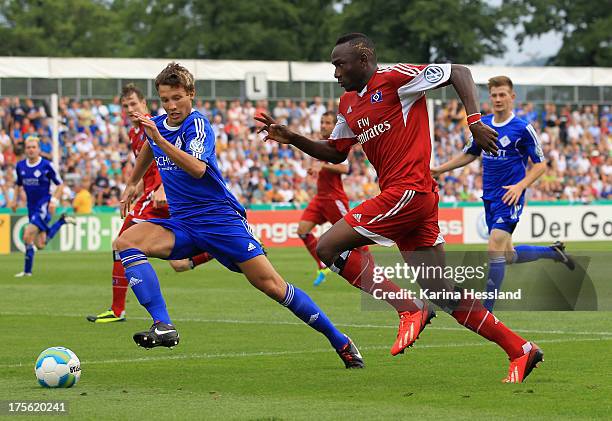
x=533, y=48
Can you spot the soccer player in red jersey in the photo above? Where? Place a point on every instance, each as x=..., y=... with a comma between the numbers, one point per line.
x=151, y=204
x=330, y=204
x=384, y=109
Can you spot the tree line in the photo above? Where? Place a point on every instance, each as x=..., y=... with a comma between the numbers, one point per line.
x=420, y=31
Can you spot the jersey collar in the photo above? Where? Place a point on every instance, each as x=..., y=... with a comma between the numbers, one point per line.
x=503, y=123
x=173, y=128
x=365, y=88
x=168, y=127
x=34, y=164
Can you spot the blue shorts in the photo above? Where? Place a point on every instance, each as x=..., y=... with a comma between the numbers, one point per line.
x=501, y=216
x=39, y=215
x=229, y=241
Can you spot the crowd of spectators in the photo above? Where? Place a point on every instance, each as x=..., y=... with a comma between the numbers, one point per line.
x=96, y=158
x=576, y=142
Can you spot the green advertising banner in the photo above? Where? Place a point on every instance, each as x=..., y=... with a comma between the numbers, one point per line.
x=89, y=233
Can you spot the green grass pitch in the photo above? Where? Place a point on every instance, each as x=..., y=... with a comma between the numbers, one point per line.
x=243, y=356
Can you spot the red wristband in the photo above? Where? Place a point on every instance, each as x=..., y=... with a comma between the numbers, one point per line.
x=473, y=118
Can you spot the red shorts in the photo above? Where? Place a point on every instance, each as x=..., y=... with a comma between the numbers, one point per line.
x=144, y=210
x=320, y=210
x=404, y=217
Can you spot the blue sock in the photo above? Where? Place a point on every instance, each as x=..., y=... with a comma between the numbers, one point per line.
x=144, y=283
x=525, y=253
x=497, y=269
x=29, y=258
x=303, y=307
x=55, y=228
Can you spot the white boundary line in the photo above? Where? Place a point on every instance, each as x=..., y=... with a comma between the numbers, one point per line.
x=284, y=353
x=277, y=322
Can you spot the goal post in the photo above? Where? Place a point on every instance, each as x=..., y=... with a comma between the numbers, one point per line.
x=55, y=130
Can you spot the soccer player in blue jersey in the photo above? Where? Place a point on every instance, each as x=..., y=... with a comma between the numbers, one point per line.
x=35, y=175
x=204, y=216
x=505, y=179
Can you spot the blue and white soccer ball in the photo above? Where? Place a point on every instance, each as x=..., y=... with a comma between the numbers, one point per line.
x=57, y=367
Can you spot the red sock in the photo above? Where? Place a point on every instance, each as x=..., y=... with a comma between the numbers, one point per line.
x=120, y=287
x=201, y=259
x=358, y=270
x=310, y=242
x=472, y=314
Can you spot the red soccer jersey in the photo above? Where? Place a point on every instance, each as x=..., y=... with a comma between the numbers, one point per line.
x=389, y=119
x=151, y=179
x=329, y=185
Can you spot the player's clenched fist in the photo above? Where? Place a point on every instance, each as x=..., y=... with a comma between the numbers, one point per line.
x=485, y=137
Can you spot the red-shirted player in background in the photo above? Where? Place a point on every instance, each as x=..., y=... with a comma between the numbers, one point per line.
x=385, y=111
x=152, y=204
x=330, y=204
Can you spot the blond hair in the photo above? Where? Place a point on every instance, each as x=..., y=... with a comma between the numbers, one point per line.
x=497, y=81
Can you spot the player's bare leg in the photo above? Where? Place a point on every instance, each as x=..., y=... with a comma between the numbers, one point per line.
x=41, y=240
x=262, y=275
x=182, y=265
x=339, y=249
x=136, y=244
x=304, y=232
x=116, y=313
x=523, y=355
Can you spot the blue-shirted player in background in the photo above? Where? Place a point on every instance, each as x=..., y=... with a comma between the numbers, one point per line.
x=505, y=179
x=204, y=216
x=35, y=175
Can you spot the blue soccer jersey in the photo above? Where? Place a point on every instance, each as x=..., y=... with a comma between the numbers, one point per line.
x=36, y=180
x=517, y=142
x=188, y=197
x=204, y=214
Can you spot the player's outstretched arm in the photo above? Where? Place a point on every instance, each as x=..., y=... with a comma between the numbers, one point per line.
x=456, y=162
x=336, y=168
x=320, y=149
x=134, y=184
x=16, y=197
x=188, y=163
x=462, y=81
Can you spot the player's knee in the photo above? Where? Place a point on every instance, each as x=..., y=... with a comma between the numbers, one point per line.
x=180, y=265
x=125, y=242
x=28, y=237
x=326, y=252
x=271, y=285
x=510, y=257
x=496, y=246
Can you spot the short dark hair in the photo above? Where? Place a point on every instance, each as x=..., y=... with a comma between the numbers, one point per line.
x=330, y=114
x=176, y=75
x=130, y=89
x=359, y=41
x=498, y=81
